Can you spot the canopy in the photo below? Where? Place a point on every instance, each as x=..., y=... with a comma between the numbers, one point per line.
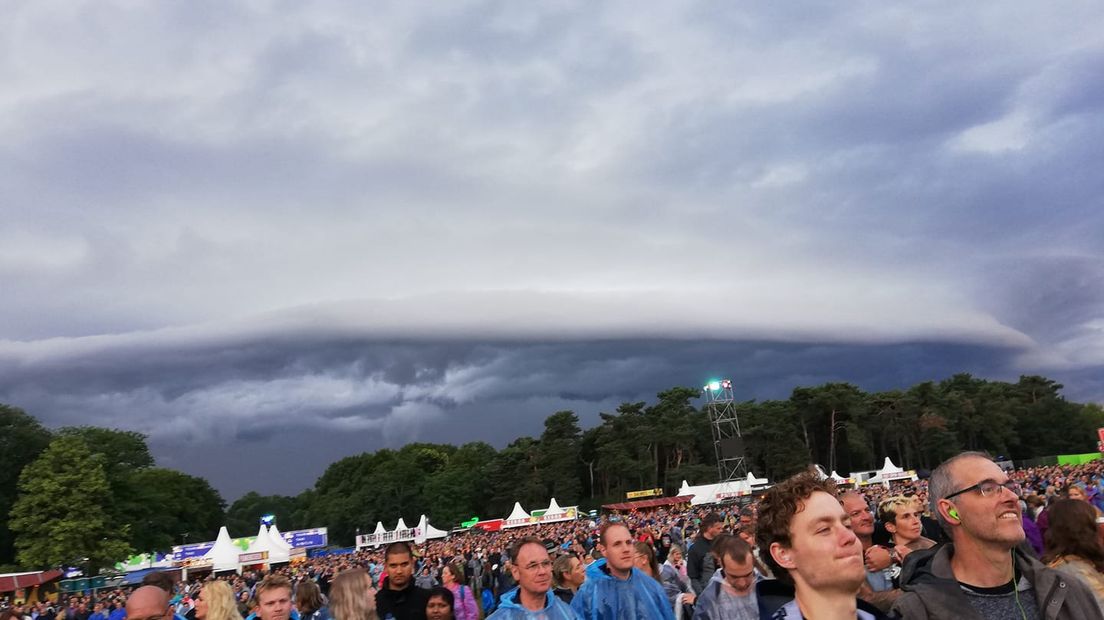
x=517, y=513
x=654, y=502
x=754, y=482
x=263, y=543
x=426, y=531
x=278, y=538
x=401, y=525
x=224, y=555
x=16, y=581
x=553, y=509
x=888, y=472
x=379, y=528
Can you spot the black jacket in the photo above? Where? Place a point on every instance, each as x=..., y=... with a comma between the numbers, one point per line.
x=406, y=604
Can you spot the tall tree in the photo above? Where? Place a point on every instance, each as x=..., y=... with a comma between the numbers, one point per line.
x=22, y=440
x=559, y=457
x=244, y=515
x=171, y=506
x=59, y=518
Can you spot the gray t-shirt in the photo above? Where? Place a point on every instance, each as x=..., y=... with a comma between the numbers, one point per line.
x=1003, y=601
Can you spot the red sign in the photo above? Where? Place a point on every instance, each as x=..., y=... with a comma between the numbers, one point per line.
x=1100, y=434
x=489, y=526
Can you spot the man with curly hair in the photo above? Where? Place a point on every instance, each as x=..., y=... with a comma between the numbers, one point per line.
x=807, y=542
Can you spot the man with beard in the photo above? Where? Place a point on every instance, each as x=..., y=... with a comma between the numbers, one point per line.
x=981, y=574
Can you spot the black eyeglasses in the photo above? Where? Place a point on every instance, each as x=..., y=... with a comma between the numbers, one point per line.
x=989, y=487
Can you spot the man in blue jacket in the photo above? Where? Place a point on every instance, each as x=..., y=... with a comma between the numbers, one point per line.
x=614, y=589
x=532, y=569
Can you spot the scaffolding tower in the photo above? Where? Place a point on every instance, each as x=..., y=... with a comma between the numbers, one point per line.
x=728, y=442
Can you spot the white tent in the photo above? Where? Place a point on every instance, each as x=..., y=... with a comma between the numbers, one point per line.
x=426, y=531
x=379, y=528
x=277, y=538
x=224, y=555
x=554, y=509
x=401, y=525
x=715, y=493
x=752, y=481
x=889, y=472
x=518, y=512
x=263, y=543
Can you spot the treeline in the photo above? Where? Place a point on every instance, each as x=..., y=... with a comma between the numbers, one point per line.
x=102, y=485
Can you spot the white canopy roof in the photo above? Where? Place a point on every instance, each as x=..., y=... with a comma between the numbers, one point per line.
x=379, y=528
x=554, y=508
x=277, y=538
x=518, y=512
x=263, y=542
x=401, y=525
x=754, y=482
x=715, y=493
x=889, y=468
x=224, y=555
x=427, y=531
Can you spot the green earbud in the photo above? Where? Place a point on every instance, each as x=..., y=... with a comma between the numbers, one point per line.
x=952, y=512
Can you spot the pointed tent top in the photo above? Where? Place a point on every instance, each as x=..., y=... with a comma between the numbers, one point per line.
x=889, y=467
x=518, y=512
x=278, y=538
x=837, y=477
x=379, y=528
x=224, y=555
x=685, y=485
x=401, y=525
x=752, y=480
x=262, y=542
x=554, y=508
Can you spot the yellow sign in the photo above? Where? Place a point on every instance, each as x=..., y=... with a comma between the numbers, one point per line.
x=644, y=493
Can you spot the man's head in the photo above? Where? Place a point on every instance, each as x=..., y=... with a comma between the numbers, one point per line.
x=975, y=502
x=161, y=579
x=398, y=562
x=738, y=565
x=530, y=566
x=806, y=538
x=616, y=544
x=711, y=526
x=862, y=521
x=273, y=596
x=901, y=517
x=148, y=603
x=568, y=572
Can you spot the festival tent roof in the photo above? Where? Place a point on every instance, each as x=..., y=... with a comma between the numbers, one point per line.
x=518, y=512
x=263, y=543
x=554, y=508
x=224, y=555
x=16, y=581
x=837, y=477
x=427, y=531
x=278, y=538
x=654, y=502
x=888, y=472
x=715, y=493
x=401, y=525
x=379, y=528
x=754, y=482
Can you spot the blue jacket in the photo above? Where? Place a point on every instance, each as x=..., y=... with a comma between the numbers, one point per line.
x=605, y=597
x=554, y=609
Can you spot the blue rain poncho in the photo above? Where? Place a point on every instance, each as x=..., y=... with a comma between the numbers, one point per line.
x=605, y=597
x=510, y=609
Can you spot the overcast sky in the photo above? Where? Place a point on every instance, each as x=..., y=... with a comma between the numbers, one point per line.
x=272, y=234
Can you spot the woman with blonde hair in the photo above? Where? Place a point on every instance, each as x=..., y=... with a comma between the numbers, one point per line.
x=216, y=601
x=352, y=596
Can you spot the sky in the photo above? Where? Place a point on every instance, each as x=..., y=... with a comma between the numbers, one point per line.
x=272, y=234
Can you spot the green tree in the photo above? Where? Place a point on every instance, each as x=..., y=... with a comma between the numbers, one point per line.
x=22, y=440
x=243, y=518
x=170, y=505
x=60, y=517
x=559, y=457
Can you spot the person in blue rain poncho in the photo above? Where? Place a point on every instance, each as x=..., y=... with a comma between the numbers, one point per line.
x=614, y=589
x=532, y=599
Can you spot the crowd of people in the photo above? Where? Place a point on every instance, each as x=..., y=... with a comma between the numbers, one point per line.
x=972, y=541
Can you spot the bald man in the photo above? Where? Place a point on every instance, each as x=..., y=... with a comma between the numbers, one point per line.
x=148, y=603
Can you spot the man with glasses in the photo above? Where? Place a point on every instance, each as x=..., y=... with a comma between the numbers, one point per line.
x=532, y=569
x=614, y=589
x=981, y=574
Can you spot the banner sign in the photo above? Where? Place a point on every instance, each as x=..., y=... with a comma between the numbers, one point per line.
x=252, y=558
x=569, y=514
x=644, y=493
x=385, y=538
x=316, y=537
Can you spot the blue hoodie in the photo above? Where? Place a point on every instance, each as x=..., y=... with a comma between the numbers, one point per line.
x=554, y=609
x=605, y=597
